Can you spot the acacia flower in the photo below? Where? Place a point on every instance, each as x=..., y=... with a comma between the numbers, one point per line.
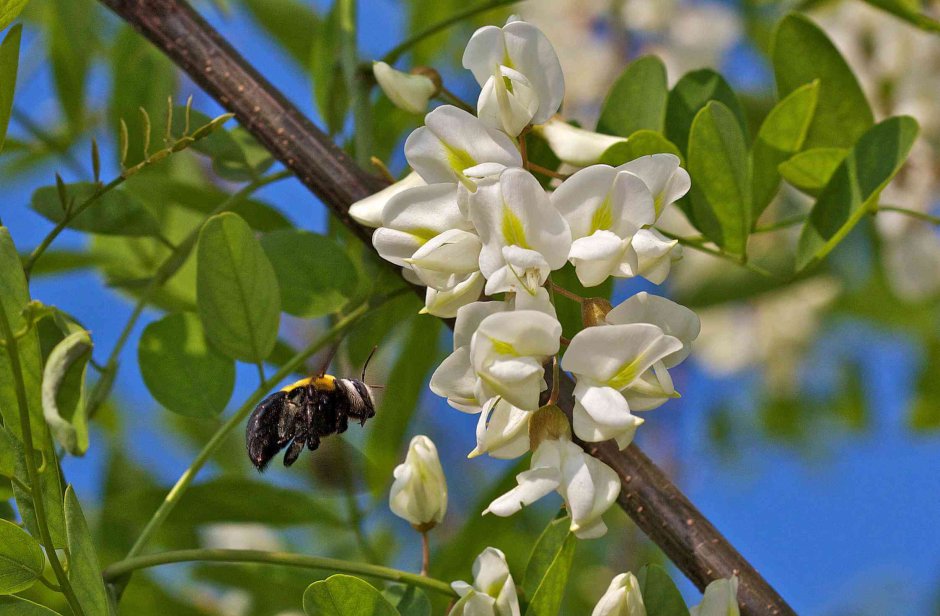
x=604, y=207
x=666, y=180
x=452, y=141
x=408, y=91
x=623, y=598
x=524, y=237
x=368, y=211
x=573, y=145
x=419, y=492
x=655, y=254
x=720, y=599
x=588, y=486
x=502, y=431
x=508, y=101
x=493, y=592
x=607, y=360
x=526, y=51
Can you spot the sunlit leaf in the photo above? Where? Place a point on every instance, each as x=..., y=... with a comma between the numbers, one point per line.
x=84, y=568
x=17, y=606
x=344, y=595
x=660, y=595
x=9, y=64
x=314, y=273
x=854, y=187
x=909, y=12
x=21, y=559
x=408, y=600
x=811, y=170
x=802, y=53
x=640, y=143
x=72, y=38
x=10, y=10
x=781, y=135
x=237, y=291
x=721, y=190
x=329, y=87
x=10, y=450
x=115, y=212
x=546, y=575
x=690, y=95
x=63, y=391
x=637, y=100
x=182, y=372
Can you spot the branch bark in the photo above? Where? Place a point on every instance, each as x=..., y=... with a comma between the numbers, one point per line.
x=654, y=503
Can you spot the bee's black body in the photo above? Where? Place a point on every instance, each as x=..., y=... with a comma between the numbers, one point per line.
x=301, y=414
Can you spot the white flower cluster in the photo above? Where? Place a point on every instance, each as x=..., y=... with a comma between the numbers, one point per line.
x=472, y=220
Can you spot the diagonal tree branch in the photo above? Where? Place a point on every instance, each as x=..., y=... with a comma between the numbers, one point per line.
x=648, y=496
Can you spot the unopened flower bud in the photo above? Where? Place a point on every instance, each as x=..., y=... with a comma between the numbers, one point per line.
x=622, y=598
x=574, y=145
x=594, y=310
x=407, y=91
x=549, y=423
x=720, y=599
x=419, y=492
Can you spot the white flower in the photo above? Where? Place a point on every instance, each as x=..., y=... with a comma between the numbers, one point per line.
x=588, y=486
x=721, y=599
x=604, y=207
x=452, y=141
x=493, y=592
x=419, y=492
x=607, y=360
x=524, y=237
x=523, y=48
x=655, y=254
x=507, y=101
x=674, y=319
x=458, y=290
x=666, y=180
x=623, y=598
x=502, y=431
x=574, y=145
x=406, y=90
x=368, y=211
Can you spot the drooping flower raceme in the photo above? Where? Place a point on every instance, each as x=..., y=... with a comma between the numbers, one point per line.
x=623, y=598
x=588, y=486
x=520, y=74
x=493, y=592
x=419, y=492
x=720, y=599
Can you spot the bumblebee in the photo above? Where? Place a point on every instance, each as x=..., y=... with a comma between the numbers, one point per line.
x=304, y=412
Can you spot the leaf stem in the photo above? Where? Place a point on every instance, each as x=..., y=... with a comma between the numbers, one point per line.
x=396, y=52
x=557, y=288
x=449, y=97
x=425, y=553
x=117, y=570
x=781, y=224
x=934, y=220
x=545, y=171
x=32, y=471
x=699, y=244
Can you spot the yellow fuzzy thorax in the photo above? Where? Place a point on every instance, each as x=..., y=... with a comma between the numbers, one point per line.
x=325, y=383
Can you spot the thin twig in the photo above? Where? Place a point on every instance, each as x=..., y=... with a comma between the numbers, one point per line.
x=934, y=220
x=425, y=553
x=449, y=97
x=700, y=244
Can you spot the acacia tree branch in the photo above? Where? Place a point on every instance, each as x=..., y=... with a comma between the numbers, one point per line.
x=647, y=495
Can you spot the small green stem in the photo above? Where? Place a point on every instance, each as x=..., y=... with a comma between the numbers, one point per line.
x=260, y=366
x=128, y=565
x=392, y=56
x=557, y=288
x=449, y=97
x=699, y=244
x=781, y=224
x=934, y=220
x=32, y=471
x=425, y=553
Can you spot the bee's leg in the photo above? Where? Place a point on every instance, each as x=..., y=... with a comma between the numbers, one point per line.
x=296, y=446
x=313, y=441
x=342, y=422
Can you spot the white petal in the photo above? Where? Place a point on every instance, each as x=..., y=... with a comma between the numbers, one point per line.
x=395, y=246
x=469, y=318
x=425, y=211
x=485, y=50
x=527, y=332
x=368, y=211
x=407, y=91
x=539, y=300
x=590, y=488
x=445, y=303
x=454, y=378
x=674, y=319
x=490, y=570
x=582, y=195
x=504, y=110
x=655, y=254
x=600, y=255
x=453, y=251
x=574, y=145
x=662, y=174
x=474, y=604
x=720, y=599
x=532, y=55
x=602, y=413
x=616, y=355
x=533, y=485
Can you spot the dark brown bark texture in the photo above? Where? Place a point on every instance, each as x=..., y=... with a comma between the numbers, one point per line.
x=649, y=497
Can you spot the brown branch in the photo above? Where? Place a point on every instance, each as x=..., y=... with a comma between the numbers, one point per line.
x=648, y=496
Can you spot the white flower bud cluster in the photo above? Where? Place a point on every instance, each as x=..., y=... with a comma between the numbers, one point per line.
x=472, y=220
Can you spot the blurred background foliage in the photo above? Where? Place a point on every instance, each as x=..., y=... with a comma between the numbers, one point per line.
x=808, y=427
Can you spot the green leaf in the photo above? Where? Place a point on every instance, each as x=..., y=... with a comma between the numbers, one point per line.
x=780, y=136
x=690, y=95
x=236, y=290
x=660, y=595
x=314, y=273
x=855, y=186
x=640, y=143
x=10, y=450
x=234, y=153
x=18, y=606
x=63, y=391
x=408, y=600
x=345, y=595
x=9, y=65
x=908, y=11
x=802, y=53
x=84, y=569
x=21, y=559
x=811, y=170
x=637, y=100
x=721, y=184
x=115, y=212
x=182, y=372
x=329, y=87
x=288, y=22
x=546, y=575
x=10, y=10
x=72, y=38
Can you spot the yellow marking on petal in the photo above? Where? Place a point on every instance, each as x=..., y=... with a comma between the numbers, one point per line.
x=658, y=203
x=512, y=229
x=424, y=233
x=504, y=348
x=458, y=159
x=626, y=374
x=603, y=218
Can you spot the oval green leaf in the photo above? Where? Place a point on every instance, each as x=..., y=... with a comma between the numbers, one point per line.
x=84, y=569
x=811, y=170
x=781, y=135
x=854, y=187
x=237, y=294
x=115, y=212
x=690, y=95
x=802, y=53
x=17, y=606
x=315, y=275
x=9, y=62
x=63, y=391
x=546, y=574
x=721, y=184
x=345, y=595
x=182, y=372
x=660, y=595
x=21, y=559
x=408, y=600
x=640, y=143
x=637, y=100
